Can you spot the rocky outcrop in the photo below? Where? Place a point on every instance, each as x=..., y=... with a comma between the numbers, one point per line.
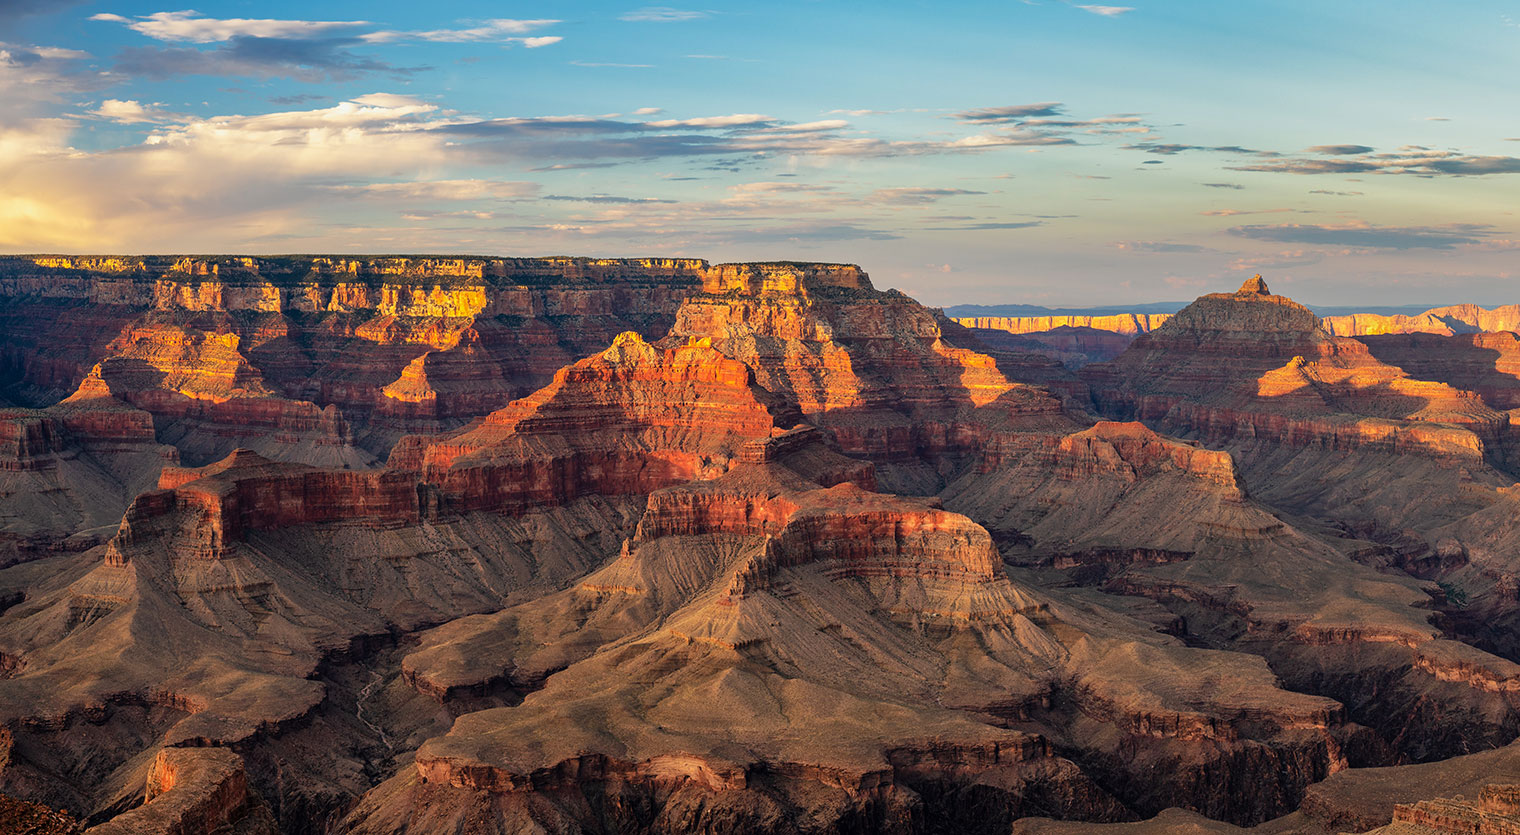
x=193, y=791
x=1252, y=366
x=246, y=491
x=632, y=419
x=1445, y=321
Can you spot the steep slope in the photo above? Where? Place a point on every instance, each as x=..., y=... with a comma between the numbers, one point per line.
x=767, y=650
x=209, y=618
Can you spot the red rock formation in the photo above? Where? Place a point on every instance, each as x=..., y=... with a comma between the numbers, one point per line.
x=1445, y=321
x=1254, y=365
x=1127, y=324
x=872, y=367
x=631, y=419
x=193, y=791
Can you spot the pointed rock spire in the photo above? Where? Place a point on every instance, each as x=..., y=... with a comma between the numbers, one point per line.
x=1254, y=286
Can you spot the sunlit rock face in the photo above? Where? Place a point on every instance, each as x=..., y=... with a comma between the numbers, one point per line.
x=631, y=419
x=1252, y=364
x=397, y=344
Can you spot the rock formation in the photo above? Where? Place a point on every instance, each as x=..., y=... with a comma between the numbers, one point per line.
x=664, y=546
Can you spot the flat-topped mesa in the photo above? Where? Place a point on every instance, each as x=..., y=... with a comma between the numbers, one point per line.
x=246, y=491
x=1134, y=451
x=783, y=278
x=632, y=419
x=1446, y=321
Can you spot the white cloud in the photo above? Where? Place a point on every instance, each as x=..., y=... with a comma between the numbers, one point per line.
x=189, y=26
x=130, y=112
x=1107, y=11
x=733, y=120
x=494, y=30
x=447, y=190
x=662, y=14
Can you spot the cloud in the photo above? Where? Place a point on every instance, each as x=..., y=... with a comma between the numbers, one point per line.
x=322, y=59
x=1159, y=247
x=191, y=27
x=918, y=196
x=1008, y=113
x=1411, y=159
x=1169, y=149
x=1340, y=150
x=605, y=198
x=1223, y=185
x=131, y=112
x=1234, y=212
x=1362, y=234
x=663, y=14
x=747, y=189
x=36, y=78
x=446, y=190
x=1336, y=193
x=647, y=111
x=730, y=121
x=495, y=30
x=990, y=226
x=1107, y=11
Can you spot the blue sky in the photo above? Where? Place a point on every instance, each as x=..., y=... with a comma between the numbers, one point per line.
x=1041, y=152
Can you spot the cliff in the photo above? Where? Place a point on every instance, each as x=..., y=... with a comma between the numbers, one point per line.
x=1128, y=324
x=632, y=419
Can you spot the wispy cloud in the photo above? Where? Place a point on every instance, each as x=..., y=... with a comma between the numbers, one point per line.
x=919, y=196
x=1340, y=150
x=320, y=59
x=495, y=30
x=1411, y=159
x=1159, y=247
x=445, y=190
x=192, y=27
x=1008, y=113
x=1107, y=11
x=1361, y=234
x=663, y=14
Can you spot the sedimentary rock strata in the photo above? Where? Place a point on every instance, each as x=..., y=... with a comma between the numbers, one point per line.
x=429, y=545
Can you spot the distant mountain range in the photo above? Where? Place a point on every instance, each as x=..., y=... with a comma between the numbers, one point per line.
x=971, y=310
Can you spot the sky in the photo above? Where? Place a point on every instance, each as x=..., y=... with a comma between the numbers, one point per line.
x=1018, y=151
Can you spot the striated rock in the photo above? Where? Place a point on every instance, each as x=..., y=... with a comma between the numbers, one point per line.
x=1128, y=324
x=715, y=624
x=193, y=791
x=632, y=419
x=872, y=367
x=1254, y=366
x=1445, y=321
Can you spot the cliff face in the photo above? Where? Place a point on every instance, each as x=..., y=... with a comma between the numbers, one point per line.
x=1128, y=324
x=396, y=344
x=1446, y=321
x=872, y=367
x=632, y=419
x=1254, y=365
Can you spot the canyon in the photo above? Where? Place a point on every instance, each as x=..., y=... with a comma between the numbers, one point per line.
x=341, y=544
